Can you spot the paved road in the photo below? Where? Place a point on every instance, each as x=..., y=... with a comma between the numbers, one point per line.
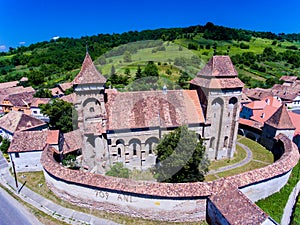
x=14, y=213
x=236, y=165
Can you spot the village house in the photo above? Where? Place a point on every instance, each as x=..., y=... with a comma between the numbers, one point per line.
x=27, y=146
x=35, y=110
x=16, y=121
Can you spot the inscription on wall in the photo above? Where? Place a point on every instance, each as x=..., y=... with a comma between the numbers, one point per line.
x=120, y=197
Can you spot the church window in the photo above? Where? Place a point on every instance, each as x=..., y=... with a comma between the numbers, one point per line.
x=17, y=155
x=225, y=142
x=150, y=148
x=119, y=152
x=134, y=148
x=92, y=109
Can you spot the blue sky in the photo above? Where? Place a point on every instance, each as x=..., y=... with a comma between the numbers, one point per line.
x=31, y=21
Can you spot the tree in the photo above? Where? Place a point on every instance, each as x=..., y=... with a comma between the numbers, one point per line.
x=181, y=157
x=118, y=170
x=60, y=114
x=43, y=93
x=127, y=72
x=127, y=56
x=4, y=146
x=150, y=70
x=138, y=73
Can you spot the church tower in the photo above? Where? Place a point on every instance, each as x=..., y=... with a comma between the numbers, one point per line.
x=219, y=90
x=89, y=89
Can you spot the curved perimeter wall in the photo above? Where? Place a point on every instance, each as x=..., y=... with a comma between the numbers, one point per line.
x=163, y=201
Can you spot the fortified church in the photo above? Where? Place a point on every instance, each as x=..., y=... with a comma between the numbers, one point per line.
x=125, y=126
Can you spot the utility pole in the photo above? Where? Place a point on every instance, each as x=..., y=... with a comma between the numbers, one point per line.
x=14, y=170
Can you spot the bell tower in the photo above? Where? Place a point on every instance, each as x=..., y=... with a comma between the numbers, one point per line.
x=89, y=89
x=219, y=90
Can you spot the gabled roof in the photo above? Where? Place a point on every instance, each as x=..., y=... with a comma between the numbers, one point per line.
x=88, y=73
x=289, y=78
x=71, y=98
x=37, y=101
x=20, y=99
x=281, y=119
x=65, y=86
x=17, y=121
x=152, y=109
x=27, y=141
x=219, y=66
x=8, y=84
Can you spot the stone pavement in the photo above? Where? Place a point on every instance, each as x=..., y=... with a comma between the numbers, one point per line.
x=61, y=213
x=236, y=165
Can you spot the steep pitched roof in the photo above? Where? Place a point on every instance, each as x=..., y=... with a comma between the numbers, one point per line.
x=219, y=66
x=281, y=119
x=17, y=121
x=152, y=108
x=88, y=73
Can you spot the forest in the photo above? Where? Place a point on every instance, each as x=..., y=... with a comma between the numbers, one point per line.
x=260, y=57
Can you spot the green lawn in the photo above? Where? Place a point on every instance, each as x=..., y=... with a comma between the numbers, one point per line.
x=274, y=204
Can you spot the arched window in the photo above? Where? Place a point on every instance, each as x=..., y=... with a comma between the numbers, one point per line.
x=150, y=148
x=134, y=148
x=92, y=109
x=119, y=152
x=225, y=142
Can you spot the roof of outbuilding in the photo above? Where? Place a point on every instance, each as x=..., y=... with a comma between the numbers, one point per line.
x=72, y=141
x=281, y=119
x=88, y=73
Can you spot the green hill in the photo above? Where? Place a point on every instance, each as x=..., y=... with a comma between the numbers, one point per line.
x=261, y=58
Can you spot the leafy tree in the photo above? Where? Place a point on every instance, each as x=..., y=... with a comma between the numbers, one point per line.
x=118, y=170
x=182, y=81
x=127, y=72
x=60, y=114
x=43, y=93
x=127, y=57
x=181, y=157
x=150, y=70
x=4, y=146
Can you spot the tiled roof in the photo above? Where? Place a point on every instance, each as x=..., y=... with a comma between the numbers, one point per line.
x=88, y=73
x=217, y=83
x=71, y=98
x=28, y=141
x=235, y=206
x=296, y=121
x=37, y=101
x=289, y=78
x=251, y=123
x=8, y=84
x=72, y=141
x=281, y=119
x=257, y=93
x=219, y=66
x=16, y=90
x=65, y=86
x=52, y=137
x=287, y=93
x=56, y=91
x=20, y=99
x=17, y=121
x=152, y=108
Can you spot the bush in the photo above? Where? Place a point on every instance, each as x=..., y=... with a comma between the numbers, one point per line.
x=5, y=145
x=118, y=170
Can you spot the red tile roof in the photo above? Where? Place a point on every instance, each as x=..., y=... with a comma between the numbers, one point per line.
x=8, y=84
x=71, y=98
x=88, y=73
x=27, y=141
x=289, y=78
x=281, y=119
x=152, y=108
x=37, y=101
x=219, y=66
x=235, y=206
x=217, y=83
x=65, y=86
x=17, y=121
x=72, y=141
x=52, y=137
x=296, y=121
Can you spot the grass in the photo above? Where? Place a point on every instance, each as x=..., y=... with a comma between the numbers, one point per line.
x=35, y=178
x=40, y=215
x=259, y=152
x=274, y=204
x=239, y=155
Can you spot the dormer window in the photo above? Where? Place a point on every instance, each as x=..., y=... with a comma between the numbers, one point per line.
x=262, y=115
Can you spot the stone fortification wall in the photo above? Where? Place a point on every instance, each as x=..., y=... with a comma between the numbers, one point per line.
x=162, y=201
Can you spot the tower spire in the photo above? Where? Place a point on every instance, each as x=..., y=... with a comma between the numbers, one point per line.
x=86, y=47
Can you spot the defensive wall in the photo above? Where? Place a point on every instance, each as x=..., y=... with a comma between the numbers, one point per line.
x=175, y=202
